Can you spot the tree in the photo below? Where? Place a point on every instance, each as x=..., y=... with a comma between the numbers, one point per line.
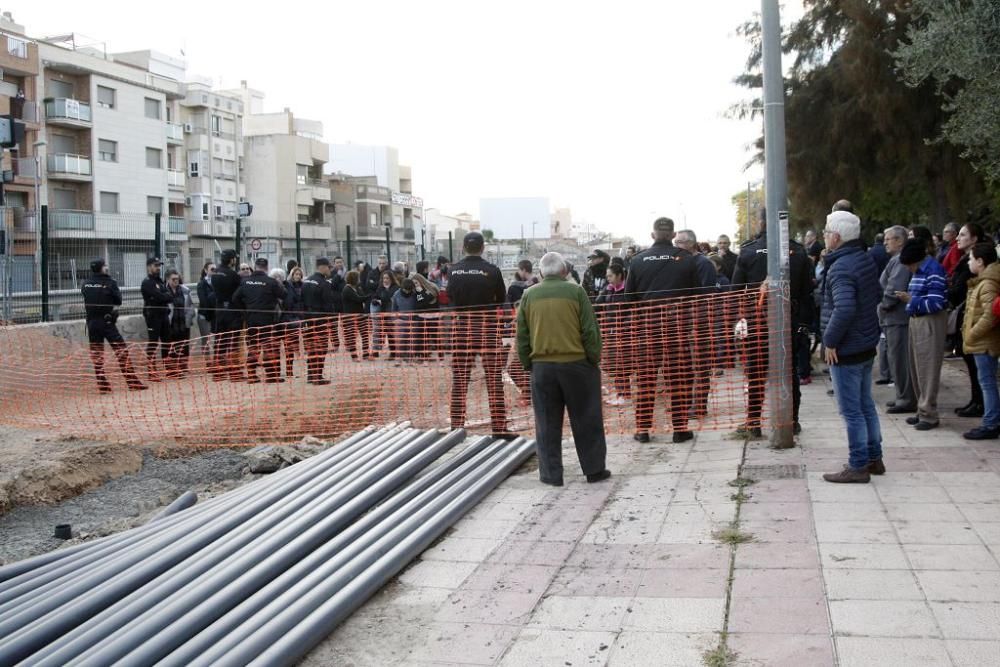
x=853, y=129
x=956, y=47
x=745, y=224
x=488, y=235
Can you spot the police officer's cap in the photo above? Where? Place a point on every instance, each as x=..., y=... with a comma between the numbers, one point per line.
x=228, y=256
x=474, y=238
x=260, y=262
x=323, y=261
x=150, y=261
x=663, y=225
x=97, y=265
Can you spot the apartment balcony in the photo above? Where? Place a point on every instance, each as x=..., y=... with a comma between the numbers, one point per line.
x=24, y=170
x=315, y=231
x=68, y=167
x=25, y=110
x=18, y=55
x=216, y=229
x=65, y=220
x=175, y=133
x=67, y=112
x=175, y=179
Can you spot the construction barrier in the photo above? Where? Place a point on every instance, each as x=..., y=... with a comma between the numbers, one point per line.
x=675, y=361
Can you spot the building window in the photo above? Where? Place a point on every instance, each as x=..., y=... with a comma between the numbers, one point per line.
x=105, y=97
x=218, y=212
x=194, y=169
x=64, y=198
x=154, y=205
x=107, y=151
x=301, y=174
x=373, y=219
x=153, y=108
x=154, y=158
x=204, y=210
x=216, y=125
x=109, y=202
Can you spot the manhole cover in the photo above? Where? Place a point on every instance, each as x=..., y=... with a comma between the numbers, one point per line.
x=782, y=471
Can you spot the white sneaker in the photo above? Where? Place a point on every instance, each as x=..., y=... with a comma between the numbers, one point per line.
x=616, y=400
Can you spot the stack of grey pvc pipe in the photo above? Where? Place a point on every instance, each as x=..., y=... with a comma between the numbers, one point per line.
x=258, y=575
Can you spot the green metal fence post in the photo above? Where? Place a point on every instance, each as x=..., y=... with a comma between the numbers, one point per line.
x=44, y=231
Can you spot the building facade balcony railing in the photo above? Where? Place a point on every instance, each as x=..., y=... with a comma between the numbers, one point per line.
x=177, y=225
x=64, y=108
x=175, y=133
x=17, y=47
x=68, y=164
x=175, y=178
x=69, y=220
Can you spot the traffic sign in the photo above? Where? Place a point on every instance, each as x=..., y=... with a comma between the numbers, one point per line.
x=255, y=245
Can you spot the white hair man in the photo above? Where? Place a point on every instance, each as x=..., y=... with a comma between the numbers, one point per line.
x=850, y=334
x=559, y=342
x=895, y=321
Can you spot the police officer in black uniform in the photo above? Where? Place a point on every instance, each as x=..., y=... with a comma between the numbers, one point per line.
x=101, y=298
x=259, y=296
x=657, y=276
x=750, y=274
x=228, y=320
x=478, y=295
x=317, y=299
x=155, y=299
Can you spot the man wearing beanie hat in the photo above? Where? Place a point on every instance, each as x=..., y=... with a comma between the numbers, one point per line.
x=850, y=335
x=926, y=303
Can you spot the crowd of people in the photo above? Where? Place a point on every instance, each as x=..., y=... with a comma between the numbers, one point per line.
x=906, y=299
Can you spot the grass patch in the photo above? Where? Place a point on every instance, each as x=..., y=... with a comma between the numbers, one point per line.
x=732, y=535
x=742, y=482
x=720, y=656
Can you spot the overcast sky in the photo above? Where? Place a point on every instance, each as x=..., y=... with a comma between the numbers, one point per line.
x=612, y=109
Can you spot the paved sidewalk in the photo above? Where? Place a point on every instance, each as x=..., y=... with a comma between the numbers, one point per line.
x=903, y=571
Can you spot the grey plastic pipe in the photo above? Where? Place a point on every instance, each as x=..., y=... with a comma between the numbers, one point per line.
x=116, y=631
x=182, y=502
x=296, y=621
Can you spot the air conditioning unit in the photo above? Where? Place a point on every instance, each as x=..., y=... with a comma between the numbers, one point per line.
x=188, y=128
x=187, y=202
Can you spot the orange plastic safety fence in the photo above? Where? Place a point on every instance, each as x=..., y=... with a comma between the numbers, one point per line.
x=670, y=363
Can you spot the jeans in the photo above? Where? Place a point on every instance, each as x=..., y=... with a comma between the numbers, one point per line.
x=986, y=367
x=853, y=387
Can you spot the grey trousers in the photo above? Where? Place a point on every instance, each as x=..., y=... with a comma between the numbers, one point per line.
x=884, y=367
x=573, y=387
x=897, y=347
x=927, y=334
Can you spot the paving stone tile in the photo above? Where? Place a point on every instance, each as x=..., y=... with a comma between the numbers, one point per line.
x=777, y=650
x=776, y=512
x=464, y=549
x=472, y=643
x=441, y=574
x=599, y=582
x=980, y=512
x=882, y=618
x=856, y=532
x=484, y=528
x=913, y=494
x=936, y=532
x=675, y=614
x=535, y=647
x=580, y=613
x=989, y=480
x=788, y=616
x=863, y=556
x=800, y=531
x=688, y=532
x=908, y=478
x=968, y=620
x=633, y=648
x=950, y=557
x=504, y=511
x=975, y=494
x=964, y=586
x=778, y=491
x=848, y=511
x=776, y=555
x=476, y=606
x=824, y=492
x=919, y=512
x=778, y=583
x=969, y=653
x=532, y=552
x=551, y=527
x=884, y=651
x=406, y=602
x=871, y=585
x=510, y=577
x=686, y=512
x=988, y=533
x=351, y=643
x=674, y=583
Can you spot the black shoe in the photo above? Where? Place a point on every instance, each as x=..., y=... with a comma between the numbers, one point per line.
x=641, y=436
x=829, y=392
x=104, y=388
x=552, y=482
x=890, y=404
x=913, y=421
x=876, y=467
x=972, y=411
x=277, y=380
x=883, y=382
x=321, y=381
x=137, y=387
x=982, y=433
x=253, y=379
x=964, y=407
x=900, y=410
x=796, y=428
x=925, y=426
x=683, y=436
x=505, y=435
x=598, y=476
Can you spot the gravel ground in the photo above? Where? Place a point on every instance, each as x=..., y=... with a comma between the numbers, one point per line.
x=120, y=503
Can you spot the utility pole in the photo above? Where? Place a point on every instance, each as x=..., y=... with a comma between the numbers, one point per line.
x=776, y=194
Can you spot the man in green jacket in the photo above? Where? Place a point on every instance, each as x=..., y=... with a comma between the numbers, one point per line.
x=559, y=343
